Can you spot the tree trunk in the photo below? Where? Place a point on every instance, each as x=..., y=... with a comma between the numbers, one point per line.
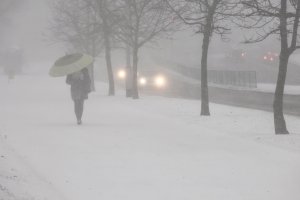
x=135, y=92
x=204, y=84
x=111, y=90
x=106, y=31
x=279, y=121
x=92, y=77
x=128, y=73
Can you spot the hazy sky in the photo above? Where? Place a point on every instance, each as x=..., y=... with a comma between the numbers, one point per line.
x=31, y=22
x=28, y=26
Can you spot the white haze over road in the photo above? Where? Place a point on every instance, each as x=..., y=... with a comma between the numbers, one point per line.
x=153, y=148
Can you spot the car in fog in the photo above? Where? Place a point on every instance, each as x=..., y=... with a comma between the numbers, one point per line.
x=148, y=79
x=270, y=57
x=152, y=79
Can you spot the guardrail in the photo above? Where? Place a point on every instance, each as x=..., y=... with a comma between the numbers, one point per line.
x=221, y=77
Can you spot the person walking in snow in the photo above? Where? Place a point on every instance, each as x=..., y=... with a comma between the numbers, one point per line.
x=75, y=67
x=80, y=88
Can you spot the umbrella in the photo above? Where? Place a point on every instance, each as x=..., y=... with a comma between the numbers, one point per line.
x=69, y=64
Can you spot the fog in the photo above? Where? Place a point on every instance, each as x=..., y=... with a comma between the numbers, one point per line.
x=28, y=28
x=72, y=128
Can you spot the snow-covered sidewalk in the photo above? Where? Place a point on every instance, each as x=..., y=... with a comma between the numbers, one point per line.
x=19, y=180
x=154, y=148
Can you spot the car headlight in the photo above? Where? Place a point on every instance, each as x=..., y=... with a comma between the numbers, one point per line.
x=143, y=81
x=122, y=74
x=160, y=81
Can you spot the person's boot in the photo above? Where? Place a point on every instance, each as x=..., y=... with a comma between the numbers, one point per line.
x=79, y=122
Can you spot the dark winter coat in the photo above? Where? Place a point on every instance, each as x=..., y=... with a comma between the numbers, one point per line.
x=80, y=84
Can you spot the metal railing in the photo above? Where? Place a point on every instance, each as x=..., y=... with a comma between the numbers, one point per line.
x=235, y=78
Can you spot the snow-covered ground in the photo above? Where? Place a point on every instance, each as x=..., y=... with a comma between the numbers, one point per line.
x=153, y=148
x=264, y=87
x=270, y=88
x=295, y=58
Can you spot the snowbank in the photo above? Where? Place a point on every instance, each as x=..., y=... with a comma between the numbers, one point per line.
x=295, y=59
x=270, y=88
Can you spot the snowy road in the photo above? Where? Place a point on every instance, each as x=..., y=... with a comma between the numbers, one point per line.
x=151, y=149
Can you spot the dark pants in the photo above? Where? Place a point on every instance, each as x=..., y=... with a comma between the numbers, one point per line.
x=78, y=105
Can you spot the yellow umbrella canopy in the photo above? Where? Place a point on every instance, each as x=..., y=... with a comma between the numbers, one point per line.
x=69, y=64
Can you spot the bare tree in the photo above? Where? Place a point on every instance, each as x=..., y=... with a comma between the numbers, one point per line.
x=128, y=80
x=75, y=24
x=208, y=17
x=106, y=13
x=142, y=22
x=280, y=18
